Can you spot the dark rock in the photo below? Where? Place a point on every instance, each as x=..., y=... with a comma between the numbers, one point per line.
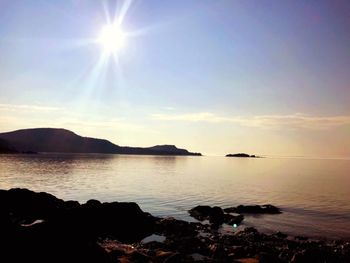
x=174, y=258
x=219, y=253
x=316, y=254
x=27, y=206
x=171, y=227
x=93, y=203
x=253, y=209
x=201, y=212
x=251, y=230
x=125, y=221
x=69, y=231
x=139, y=257
x=71, y=204
x=280, y=235
x=301, y=238
x=215, y=215
x=241, y=155
x=239, y=252
x=186, y=244
x=38, y=227
x=269, y=258
x=230, y=219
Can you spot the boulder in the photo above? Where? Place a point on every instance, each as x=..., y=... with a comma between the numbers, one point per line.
x=169, y=226
x=215, y=215
x=39, y=227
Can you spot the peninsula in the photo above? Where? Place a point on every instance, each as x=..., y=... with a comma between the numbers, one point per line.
x=65, y=141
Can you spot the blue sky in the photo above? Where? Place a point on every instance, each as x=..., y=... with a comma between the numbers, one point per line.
x=268, y=77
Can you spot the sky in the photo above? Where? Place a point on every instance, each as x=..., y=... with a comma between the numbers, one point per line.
x=216, y=77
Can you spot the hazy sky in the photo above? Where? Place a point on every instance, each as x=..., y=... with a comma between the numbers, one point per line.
x=263, y=77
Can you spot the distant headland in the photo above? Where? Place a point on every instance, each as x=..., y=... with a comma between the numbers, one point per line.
x=242, y=155
x=65, y=141
x=6, y=147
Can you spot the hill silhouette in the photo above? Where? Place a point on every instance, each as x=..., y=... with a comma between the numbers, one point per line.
x=6, y=147
x=65, y=141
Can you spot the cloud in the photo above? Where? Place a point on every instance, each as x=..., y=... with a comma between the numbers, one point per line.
x=14, y=117
x=100, y=123
x=297, y=120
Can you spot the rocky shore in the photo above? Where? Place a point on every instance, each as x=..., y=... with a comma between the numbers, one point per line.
x=38, y=227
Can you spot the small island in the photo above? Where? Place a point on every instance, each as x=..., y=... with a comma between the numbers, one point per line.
x=242, y=155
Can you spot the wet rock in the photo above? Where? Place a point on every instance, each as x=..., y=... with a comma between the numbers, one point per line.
x=25, y=205
x=139, y=257
x=231, y=219
x=174, y=258
x=186, y=245
x=36, y=226
x=215, y=215
x=43, y=228
x=239, y=252
x=219, y=253
x=253, y=209
x=269, y=258
x=171, y=227
x=302, y=238
x=249, y=230
x=204, y=212
x=280, y=235
x=161, y=255
x=154, y=245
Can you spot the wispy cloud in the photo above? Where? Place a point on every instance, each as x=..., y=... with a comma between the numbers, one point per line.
x=22, y=107
x=33, y=116
x=297, y=120
x=117, y=124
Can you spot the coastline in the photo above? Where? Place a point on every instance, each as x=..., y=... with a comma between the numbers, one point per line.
x=36, y=226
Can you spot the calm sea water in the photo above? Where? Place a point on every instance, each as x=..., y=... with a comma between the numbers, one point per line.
x=313, y=194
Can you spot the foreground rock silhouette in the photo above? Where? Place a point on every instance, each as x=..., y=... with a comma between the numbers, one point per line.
x=38, y=227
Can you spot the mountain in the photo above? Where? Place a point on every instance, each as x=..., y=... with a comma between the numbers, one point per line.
x=6, y=147
x=65, y=141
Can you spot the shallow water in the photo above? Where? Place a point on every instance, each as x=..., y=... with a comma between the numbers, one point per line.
x=314, y=194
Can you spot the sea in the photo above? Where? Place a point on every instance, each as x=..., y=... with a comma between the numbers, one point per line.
x=313, y=194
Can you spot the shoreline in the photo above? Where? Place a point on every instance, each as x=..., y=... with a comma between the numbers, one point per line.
x=37, y=226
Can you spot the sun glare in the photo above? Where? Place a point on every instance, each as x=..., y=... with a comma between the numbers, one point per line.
x=112, y=38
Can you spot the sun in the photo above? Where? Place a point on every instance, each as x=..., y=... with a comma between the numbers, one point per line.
x=112, y=38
